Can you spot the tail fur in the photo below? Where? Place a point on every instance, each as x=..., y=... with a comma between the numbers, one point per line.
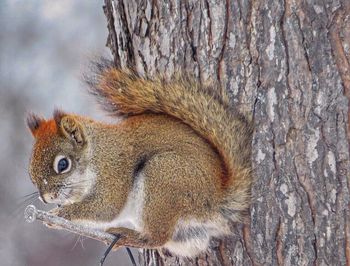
x=205, y=108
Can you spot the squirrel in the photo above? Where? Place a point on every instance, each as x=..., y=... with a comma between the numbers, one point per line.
x=172, y=174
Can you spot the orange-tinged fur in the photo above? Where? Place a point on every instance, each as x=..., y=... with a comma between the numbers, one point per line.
x=46, y=128
x=177, y=168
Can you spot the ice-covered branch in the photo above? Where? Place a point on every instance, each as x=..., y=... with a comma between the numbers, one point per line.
x=31, y=214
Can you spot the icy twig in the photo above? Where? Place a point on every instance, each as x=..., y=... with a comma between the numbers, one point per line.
x=31, y=214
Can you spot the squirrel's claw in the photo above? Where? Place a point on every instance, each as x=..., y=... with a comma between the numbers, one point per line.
x=108, y=250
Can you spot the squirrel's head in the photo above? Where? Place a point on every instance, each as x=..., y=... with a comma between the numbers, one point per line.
x=60, y=158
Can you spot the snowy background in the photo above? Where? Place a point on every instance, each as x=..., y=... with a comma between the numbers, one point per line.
x=45, y=46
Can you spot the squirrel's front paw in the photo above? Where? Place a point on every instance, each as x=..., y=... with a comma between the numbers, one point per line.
x=60, y=212
x=57, y=212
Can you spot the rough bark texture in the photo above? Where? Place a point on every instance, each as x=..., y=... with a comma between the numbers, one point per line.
x=286, y=63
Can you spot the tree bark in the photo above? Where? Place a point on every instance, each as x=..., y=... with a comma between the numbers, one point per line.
x=286, y=63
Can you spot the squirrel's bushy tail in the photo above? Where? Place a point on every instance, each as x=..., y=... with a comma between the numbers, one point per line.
x=206, y=109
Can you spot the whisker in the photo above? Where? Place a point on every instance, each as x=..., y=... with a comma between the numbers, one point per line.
x=76, y=242
x=67, y=196
x=82, y=238
x=30, y=198
x=75, y=186
x=79, y=182
x=30, y=194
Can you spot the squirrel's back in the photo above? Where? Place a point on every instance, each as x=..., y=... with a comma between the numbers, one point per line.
x=206, y=109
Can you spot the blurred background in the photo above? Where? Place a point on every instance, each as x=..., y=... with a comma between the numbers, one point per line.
x=45, y=46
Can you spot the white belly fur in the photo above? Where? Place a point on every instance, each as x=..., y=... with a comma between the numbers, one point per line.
x=196, y=236
x=131, y=214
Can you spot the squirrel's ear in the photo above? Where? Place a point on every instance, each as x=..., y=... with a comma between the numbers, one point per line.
x=33, y=122
x=70, y=128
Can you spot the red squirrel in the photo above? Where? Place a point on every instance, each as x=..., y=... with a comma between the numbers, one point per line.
x=173, y=173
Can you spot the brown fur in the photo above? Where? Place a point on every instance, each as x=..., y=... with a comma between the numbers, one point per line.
x=191, y=147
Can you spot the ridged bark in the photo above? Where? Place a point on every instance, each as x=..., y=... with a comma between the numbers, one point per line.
x=285, y=63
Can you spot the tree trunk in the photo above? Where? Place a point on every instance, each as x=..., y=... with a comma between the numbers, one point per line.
x=287, y=64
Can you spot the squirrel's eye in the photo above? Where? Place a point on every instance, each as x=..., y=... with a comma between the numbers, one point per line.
x=62, y=164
